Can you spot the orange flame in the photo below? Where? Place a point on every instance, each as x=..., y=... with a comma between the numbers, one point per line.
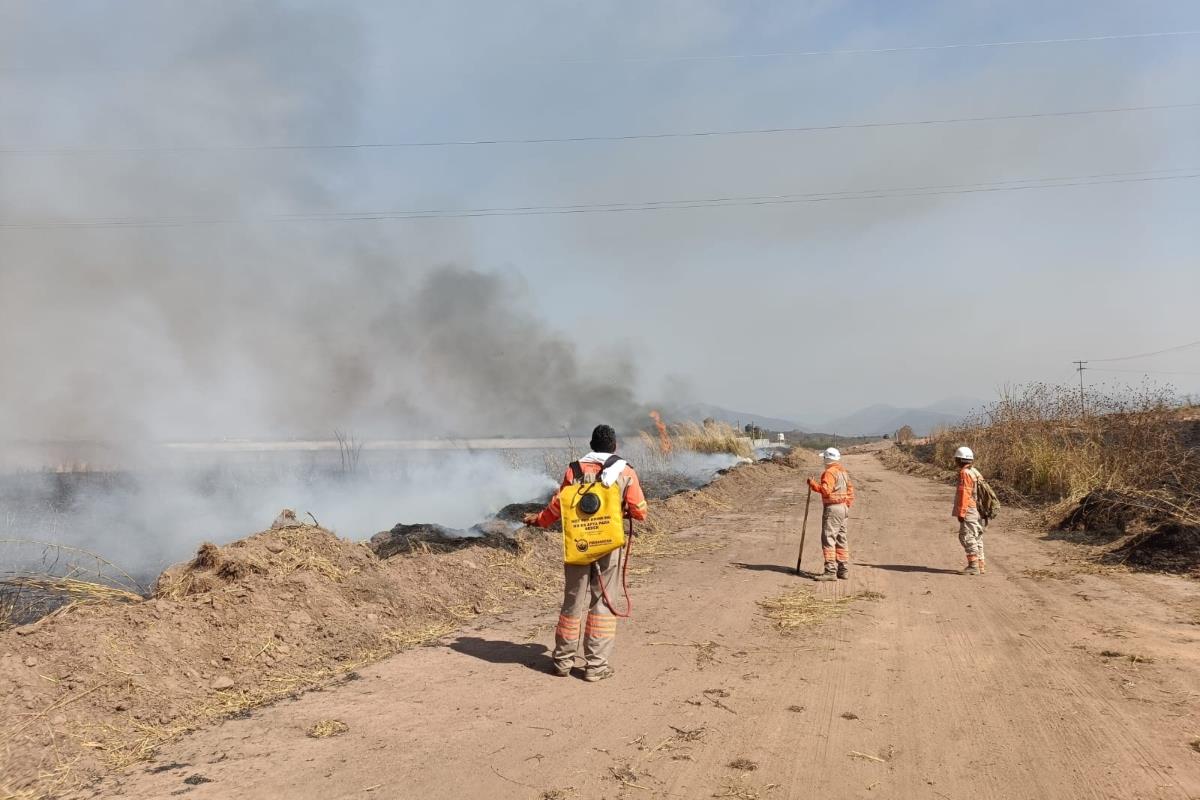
x=664, y=438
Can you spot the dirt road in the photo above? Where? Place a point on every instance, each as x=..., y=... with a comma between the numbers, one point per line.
x=947, y=686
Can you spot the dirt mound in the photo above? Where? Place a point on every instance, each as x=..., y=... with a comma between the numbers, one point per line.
x=97, y=686
x=1138, y=536
x=1169, y=547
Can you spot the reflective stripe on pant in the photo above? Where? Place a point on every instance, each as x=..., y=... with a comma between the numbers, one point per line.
x=581, y=593
x=970, y=534
x=833, y=534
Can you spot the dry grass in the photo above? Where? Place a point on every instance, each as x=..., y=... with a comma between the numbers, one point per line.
x=800, y=607
x=64, y=577
x=61, y=559
x=680, y=742
x=743, y=791
x=625, y=776
x=653, y=540
x=658, y=449
x=1036, y=444
x=404, y=638
x=659, y=544
x=1133, y=658
x=300, y=555
x=26, y=599
x=529, y=577
x=326, y=728
x=1126, y=473
x=713, y=437
x=74, y=589
x=1039, y=574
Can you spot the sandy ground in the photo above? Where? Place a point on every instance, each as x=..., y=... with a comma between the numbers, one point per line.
x=946, y=687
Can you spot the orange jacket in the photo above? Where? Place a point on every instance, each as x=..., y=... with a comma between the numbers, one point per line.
x=835, y=486
x=964, y=498
x=635, y=500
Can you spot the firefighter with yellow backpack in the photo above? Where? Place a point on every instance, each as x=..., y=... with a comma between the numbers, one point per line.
x=598, y=492
x=975, y=504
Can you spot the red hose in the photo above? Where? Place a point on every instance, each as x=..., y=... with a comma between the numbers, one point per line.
x=624, y=580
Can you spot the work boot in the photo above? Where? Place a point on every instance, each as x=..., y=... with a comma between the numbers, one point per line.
x=972, y=568
x=980, y=567
x=843, y=570
x=830, y=573
x=598, y=674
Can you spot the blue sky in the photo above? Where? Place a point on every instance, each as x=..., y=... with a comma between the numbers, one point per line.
x=807, y=310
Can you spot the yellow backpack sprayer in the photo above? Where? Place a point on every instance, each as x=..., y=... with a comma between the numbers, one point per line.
x=593, y=523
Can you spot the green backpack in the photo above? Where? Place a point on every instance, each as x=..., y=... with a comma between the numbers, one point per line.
x=986, y=501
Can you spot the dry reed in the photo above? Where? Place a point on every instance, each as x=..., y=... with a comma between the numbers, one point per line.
x=713, y=437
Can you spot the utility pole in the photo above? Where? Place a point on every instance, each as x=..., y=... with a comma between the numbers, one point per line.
x=1080, y=366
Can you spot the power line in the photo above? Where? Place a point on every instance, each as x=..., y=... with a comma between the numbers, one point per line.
x=1144, y=371
x=881, y=50
x=620, y=207
x=1187, y=346
x=599, y=138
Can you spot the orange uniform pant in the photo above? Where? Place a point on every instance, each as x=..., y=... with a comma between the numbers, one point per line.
x=581, y=592
x=833, y=534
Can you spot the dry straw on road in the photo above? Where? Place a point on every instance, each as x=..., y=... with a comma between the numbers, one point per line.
x=326, y=728
x=800, y=607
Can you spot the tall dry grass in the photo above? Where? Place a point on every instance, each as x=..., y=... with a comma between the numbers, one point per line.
x=39, y=578
x=712, y=437
x=1133, y=444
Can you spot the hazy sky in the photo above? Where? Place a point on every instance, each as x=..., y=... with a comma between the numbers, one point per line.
x=805, y=310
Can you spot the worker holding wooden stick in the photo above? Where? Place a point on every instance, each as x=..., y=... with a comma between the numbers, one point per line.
x=837, y=496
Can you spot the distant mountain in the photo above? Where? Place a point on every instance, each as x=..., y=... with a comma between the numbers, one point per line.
x=882, y=418
x=701, y=411
x=956, y=406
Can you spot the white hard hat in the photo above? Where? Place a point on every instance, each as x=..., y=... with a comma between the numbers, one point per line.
x=831, y=454
x=964, y=453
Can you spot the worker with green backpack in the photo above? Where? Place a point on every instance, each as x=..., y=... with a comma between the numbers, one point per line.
x=975, y=504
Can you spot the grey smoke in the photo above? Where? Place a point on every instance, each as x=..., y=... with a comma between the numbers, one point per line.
x=131, y=336
x=143, y=520
x=139, y=334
